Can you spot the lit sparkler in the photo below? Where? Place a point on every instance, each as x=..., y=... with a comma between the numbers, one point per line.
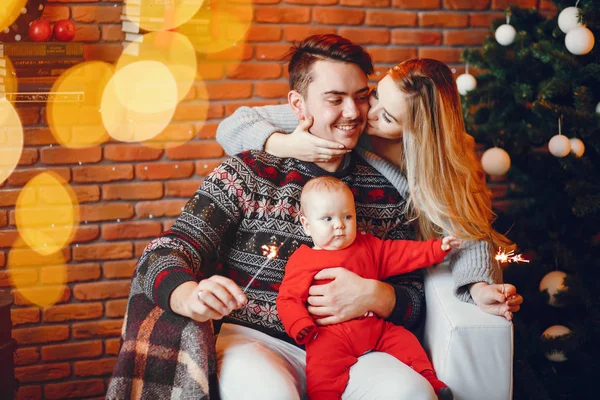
x=509, y=257
x=270, y=251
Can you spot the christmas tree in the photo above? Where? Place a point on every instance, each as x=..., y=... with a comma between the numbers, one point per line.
x=536, y=81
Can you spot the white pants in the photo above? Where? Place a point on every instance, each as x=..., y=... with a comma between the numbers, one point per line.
x=254, y=366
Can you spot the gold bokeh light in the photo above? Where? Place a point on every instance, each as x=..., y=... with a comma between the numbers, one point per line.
x=28, y=271
x=219, y=27
x=173, y=49
x=162, y=16
x=11, y=139
x=139, y=101
x=10, y=11
x=78, y=124
x=47, y=213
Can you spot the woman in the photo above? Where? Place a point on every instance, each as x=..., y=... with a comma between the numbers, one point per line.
x=417, y=140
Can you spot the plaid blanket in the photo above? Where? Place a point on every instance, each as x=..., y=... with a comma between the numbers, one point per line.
x=163, y=355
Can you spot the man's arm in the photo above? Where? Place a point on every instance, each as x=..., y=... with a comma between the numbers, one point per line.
x=176, y=257
x=249, y=128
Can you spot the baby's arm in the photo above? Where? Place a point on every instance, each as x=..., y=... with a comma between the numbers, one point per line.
x=402, y=256
x=291, y=301
x=450, y=242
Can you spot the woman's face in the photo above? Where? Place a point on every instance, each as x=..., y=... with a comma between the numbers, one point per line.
x=388, y=108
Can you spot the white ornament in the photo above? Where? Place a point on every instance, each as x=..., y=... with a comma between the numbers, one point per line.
x=551, y=333
x=553, y=282
x=505, y=34
x=577, y=147
x=568, y=19
x=495, y=161
x=559, y=146
x=465, y=83
x=598, y=108
x=579, y=40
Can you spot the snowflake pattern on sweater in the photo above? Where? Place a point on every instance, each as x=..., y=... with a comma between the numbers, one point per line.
x=250, y=200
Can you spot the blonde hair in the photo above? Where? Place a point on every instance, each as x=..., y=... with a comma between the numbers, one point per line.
x=447, y=184
x=321, y=184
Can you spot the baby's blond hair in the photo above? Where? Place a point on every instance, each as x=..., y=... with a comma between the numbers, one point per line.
x=321, y=184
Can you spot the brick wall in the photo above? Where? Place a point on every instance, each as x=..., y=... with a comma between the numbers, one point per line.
x=130, y=193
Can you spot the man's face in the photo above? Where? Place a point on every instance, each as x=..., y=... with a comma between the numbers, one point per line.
x=338, y=99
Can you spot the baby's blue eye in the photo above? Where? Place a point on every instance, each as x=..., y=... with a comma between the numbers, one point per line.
x=348, y=217
x=327, y=219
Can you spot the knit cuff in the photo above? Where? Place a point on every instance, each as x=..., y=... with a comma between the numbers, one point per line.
x=166, y=282
x=403, y=308
x=261, y=131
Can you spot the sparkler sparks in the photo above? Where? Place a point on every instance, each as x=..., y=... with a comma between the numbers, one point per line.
x=270, y=251
x=510, y=257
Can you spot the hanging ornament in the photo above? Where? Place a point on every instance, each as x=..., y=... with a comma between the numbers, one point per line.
x=577, y=147
x=505, y=34
x=553, y=283
x=580, y=40
x=554, y=332
x=569, y=19
x=465, y=82
x=559, y=146
x=598, y=108
x=495, y=161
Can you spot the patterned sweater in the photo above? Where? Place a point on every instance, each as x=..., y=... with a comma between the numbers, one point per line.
x=249, y=128
x=248, y=201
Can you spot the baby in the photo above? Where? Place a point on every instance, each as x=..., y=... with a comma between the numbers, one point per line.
x=328, y=216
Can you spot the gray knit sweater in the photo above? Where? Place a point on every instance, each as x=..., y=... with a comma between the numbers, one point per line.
x=249, y=128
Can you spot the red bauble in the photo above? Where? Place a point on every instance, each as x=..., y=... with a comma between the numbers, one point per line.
x=64, y=30
x=40, y=30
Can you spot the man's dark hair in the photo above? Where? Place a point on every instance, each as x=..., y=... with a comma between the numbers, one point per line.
x=329, y=47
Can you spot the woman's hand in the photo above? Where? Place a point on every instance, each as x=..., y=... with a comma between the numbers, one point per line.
x=303, y=145
x=498, y=299
x=212, y=298
x=348, y=296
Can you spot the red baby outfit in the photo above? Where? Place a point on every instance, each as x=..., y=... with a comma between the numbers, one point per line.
x=337, y=347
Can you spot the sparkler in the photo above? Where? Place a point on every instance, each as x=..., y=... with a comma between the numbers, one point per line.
x=509, y=257
x=270, y=251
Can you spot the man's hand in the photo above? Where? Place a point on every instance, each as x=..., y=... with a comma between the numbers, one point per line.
x=212, y=298
x=498, y=299
x=347, y=297
x=304, y=146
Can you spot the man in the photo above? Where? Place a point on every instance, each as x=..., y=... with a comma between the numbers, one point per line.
x=237, y=232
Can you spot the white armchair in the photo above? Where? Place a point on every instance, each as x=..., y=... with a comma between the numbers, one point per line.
x=471, y=351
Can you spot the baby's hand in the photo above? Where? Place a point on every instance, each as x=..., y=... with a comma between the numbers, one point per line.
x=450, y=242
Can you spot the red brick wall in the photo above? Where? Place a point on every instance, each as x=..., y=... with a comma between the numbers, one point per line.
x=68, y=350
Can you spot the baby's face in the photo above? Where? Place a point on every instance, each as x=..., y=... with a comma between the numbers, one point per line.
x=330, y=219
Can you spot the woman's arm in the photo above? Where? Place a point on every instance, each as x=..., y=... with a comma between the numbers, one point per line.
x=472, y=263
x=276, y=130
x=249, y=128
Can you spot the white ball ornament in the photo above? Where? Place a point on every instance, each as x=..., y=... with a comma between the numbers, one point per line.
x=577, y=147
x=505, y=34
x=580, y=40
x=559, y=146
x=465, y=83
x=553, y=282
x=495, y=161
x=568, y=19
x=551, y=333
x=598, y=108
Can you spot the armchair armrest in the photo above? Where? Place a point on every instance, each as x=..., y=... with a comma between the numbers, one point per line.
x=471, y=351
